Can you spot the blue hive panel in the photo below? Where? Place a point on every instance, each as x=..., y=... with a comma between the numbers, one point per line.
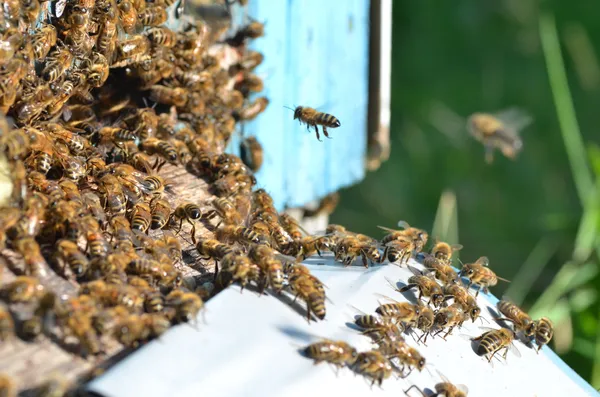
x=316, y=54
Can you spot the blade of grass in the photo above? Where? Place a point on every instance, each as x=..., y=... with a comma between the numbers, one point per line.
x=530, y=271
x=564, y=107
x=596, y=363
x=445, y=224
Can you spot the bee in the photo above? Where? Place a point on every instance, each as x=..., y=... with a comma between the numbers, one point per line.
x=30, y=10
x=94, y=207
x=154, y=185
x=338, y=353
x=106, y=42
x=450, y=317
x=54, y=386
x=133, y=50
x=15, y=143
x=494, y=340
x=31, y=328
x=161, y=211
x=226, y=210
x=374, y=365
x=135, y=329
x=128, y=16
x=408, y=356
x=161, y=36
x=307, y=246
x=270, y=266
x=445, y=388
x=163, y=148
x=310, y=291
x=405, y=312
x=379, y=328
x=31, y=111
x=23, y=289
x=232, y=233
x=80, y=326
x=463, y=298
x=314, y=118
x=169, y=96
x=112, y=194
x=544, y=330
x=443, y=251
x=253, y=109
x=327, y=205
x=153, y=16
x=251, y=31
x=399, y=250
x=7, y=325
x=426, y=286
x=141, y=217
x=521, y=320
x=32, y=255
x=251, y=152
x=248, y=63
x=239, y=268
x=419, y=237
x=98, y=70
x=209, y=248
x=68, y=252
x=478, y=273
x=57, y=63
x=499, y=131
x=43, y=40
x=291, y=226
x=347, y=249
x=186, y=304
x=7, y=385
x=188, y=212
x=442, y=271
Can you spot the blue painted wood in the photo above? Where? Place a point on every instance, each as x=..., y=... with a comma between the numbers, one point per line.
x=316, y=54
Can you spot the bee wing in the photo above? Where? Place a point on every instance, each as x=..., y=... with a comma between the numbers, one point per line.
x=514, y=118
x=483, y=261
x=392, y=284
x=387, y=297
x=513, y=348
x=456, y=247
x=462, y=388
x=403, y=224
x=415, y=271
x=357, y=310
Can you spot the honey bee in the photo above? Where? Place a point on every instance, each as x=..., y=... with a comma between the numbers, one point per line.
x=53, y=386
x=79, y=325
x=112, y=194
x=161, y=36
x=544, y=330
x=521, y=320
x=186, y=304
x=443, y=251
x=31, y=111
x=348, y=248
x=153, y=16
x=373, y=365
x=291, y=226
x=419, y=237
x=251, y=152
x=442, y=271
x=405, y=312
x=399, y=250
x=478, y=273
x=463, y=298
x=57, y=63
x=427, y=287
x=270, y=266
x=128, y=16
x=253, y=109
x=163, y=148
x=68, y=252
x=7, y=386
x=132, y=50
x=226, y=210
x=242, y=234
x=445, y=388
x=408, y=356
x=449, y=318
x=314, y=118
x=378, y=328
x=32, y=255
x=494, y=340
x=169, y=96
x=135, y=329
x=43, y=40
x=161, y=211
x=188, y=212
x=210, y=248
x=15, y=143
x=338, y=353
x=251, y=31
x=499, y=131
x=31, y=328
x=311, y=292
x=23, y=289
x=154, y=185
x=239, y=268
x=307, y=246
x=141, y=217
x=98, y=70
x=7, y=325
x=327, y=205
x=30, y=10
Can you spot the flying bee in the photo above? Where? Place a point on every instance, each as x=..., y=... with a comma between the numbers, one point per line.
x=327, y=205
x=499, y=131
x=141, y=217
x=427, y=287
x=513, y=313
x=7, y=325
x=443, y=251
x=314, y=118
x=153, y=16
x=161, y=211
x=43, y=40
x=373, y=365
x=442, y=271
x=494, y=340
x=480, y=274
x=407, y=356
x=463, y=298
x=23, y=289
x=544, y=330
x=251, y=31
x=189, y=212
x=251, y=152
x=338, y=353
x=253, y=109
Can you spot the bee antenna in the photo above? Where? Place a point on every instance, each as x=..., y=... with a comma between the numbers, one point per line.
x=287, y=107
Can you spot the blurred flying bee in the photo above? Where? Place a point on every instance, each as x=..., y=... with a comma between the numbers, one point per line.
x=480, y=274
x=513, y=313
x=544, y=330
x=327, y=205
x=427, y=287
x=338, y=353
x=251, y=31
x=373, y=365
x=494, y=340
x=314, y=118
x=445, y=388
x=251, y=152
x=499, y=131
x=444, y=251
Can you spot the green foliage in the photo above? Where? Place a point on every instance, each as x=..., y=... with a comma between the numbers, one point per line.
x=537, y=218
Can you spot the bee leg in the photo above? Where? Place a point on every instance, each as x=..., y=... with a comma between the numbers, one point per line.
x=364, y=260
x=318, y=136
x=193, y=232
x=326, y=133
x=477, y=293
x=489, y=154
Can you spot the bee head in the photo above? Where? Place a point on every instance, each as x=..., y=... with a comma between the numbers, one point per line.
x=297, y=112
x=530, y=329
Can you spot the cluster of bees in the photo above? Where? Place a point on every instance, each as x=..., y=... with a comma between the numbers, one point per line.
x=443, y=304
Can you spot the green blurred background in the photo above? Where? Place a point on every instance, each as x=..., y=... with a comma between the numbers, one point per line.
x=536, y=218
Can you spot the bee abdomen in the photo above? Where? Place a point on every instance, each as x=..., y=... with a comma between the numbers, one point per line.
x=327, y=120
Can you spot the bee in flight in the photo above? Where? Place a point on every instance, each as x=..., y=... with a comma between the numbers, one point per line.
x=499, y=131
x=314, y=118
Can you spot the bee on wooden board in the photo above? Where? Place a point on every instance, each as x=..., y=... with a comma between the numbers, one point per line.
x=314, y=118
x=499, y=131
x=338, y=353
